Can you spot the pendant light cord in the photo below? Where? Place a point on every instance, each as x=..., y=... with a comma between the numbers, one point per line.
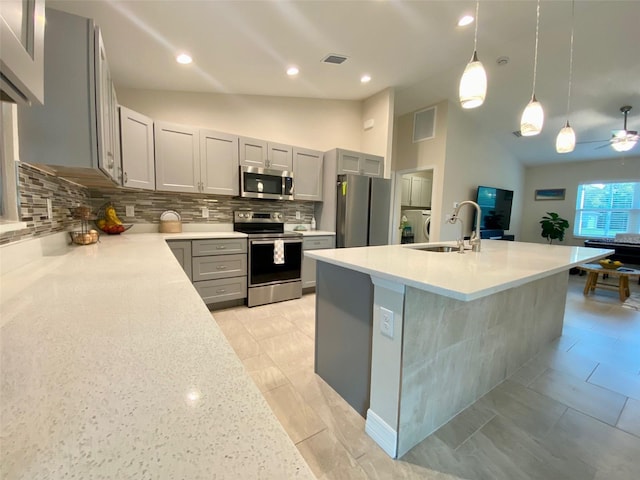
x=571, y=57
x=475, y=36
x=535, y=54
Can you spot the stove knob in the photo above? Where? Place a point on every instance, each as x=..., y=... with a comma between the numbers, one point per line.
x=277, y=215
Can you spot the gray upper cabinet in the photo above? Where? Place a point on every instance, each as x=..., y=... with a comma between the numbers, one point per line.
x=106, y=114
x=137, y=150
x=22, y=28
x=177, y=158
x=219, y=171
x=416, y=191
x=372, y=165
x=192, y=160
x=260, y=153
x=307, y=174
x=358, y=163
x=75, y=132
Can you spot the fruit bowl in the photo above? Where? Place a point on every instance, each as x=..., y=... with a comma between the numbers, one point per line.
x=108, y=222
x=114, y=229
x=610, y=264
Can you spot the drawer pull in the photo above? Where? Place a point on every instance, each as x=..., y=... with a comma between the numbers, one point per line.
x=220, y=247
x=221, y=267
x=222, y=290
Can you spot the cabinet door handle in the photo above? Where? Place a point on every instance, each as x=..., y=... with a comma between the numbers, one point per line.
x=126, y=178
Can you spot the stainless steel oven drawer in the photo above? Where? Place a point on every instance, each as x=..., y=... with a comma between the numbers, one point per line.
x=218, y=266
x=220, y=246
x=213, y=291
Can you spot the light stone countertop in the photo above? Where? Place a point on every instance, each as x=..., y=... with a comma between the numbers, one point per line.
x=318, y=233
x=112, y=367
x=499, y=266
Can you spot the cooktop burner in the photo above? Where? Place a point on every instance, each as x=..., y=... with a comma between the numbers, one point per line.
x=261, y=224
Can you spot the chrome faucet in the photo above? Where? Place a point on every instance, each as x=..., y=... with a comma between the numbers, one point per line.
x=474, y=241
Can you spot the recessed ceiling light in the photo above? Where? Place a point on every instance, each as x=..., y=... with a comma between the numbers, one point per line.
x=365, y=78
x=464, y=21
x=291, y=71
x=184, y=59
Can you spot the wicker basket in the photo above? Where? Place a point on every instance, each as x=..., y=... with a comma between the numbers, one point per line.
x=170, y=226
x=84, y=238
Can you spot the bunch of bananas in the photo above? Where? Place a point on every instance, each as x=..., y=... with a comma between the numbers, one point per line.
x=110, y=223
x=611, y=264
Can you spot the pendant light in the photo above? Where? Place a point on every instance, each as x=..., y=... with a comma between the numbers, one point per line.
x=533, y=115
x=566, y=139
x=473, y=83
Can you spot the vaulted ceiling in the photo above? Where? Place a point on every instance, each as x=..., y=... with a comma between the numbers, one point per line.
x=416, y=47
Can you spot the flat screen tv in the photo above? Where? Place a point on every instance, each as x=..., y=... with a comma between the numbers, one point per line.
x=496, y=207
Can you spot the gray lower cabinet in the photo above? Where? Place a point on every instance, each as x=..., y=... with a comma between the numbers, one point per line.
x=213, y=291
x=219, y=268
x=316, y=242
x=182, y=251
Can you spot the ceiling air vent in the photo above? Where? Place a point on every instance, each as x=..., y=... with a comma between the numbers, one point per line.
x=334, y=59
x=424, y=124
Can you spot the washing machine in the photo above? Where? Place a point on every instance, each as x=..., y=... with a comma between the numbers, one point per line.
x=420, y=221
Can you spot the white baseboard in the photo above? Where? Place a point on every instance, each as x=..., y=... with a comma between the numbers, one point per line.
x=383, y=434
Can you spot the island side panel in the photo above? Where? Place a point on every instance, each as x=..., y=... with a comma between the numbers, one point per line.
x=454, y=352
x=344, y=316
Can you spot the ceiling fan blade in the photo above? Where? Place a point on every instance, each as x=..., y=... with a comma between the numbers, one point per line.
x=592, y=141
x=602, y=146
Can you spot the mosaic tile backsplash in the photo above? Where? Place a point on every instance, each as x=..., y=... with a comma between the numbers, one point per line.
x=36, y=186
x=149, y=206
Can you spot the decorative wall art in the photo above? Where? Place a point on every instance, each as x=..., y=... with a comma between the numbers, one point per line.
x=550, y=194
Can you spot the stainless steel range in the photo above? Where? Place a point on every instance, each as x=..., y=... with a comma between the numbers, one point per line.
x=275, y=257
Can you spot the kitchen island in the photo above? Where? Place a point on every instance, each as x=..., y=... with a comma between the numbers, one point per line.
x=410, y=338
x=112, y=367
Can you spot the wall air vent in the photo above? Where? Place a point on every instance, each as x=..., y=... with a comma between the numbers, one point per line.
x=517, y=133
x=334, y=59
x=424, y=124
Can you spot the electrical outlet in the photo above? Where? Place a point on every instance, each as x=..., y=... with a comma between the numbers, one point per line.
x=205, y=212
x=130, y=211
x=298, y=216
x=49, y=209
x=386, y=322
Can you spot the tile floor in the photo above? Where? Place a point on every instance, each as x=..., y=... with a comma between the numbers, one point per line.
x=573, y=412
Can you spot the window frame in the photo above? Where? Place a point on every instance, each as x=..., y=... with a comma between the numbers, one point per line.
x=9, y=157
x=633, y=225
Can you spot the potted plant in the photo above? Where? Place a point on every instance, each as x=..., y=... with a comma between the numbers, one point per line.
x=553, y=227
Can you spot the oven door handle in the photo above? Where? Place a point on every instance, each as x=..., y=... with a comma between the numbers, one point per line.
x=271, y=242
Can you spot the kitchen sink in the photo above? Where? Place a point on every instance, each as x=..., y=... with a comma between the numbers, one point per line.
x=438, y=248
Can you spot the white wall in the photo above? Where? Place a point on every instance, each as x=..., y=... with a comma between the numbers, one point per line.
x=377, y=140
x=427, y=154
x=461, y=158
x=312, y=123
x=474, y=159
x=568, y=176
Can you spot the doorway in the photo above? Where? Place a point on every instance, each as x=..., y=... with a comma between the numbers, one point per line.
x=413, y=191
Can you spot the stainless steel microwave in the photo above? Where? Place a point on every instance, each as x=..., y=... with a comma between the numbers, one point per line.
x=258, y=182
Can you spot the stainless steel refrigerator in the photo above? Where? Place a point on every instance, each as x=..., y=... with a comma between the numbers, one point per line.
x=363, y=205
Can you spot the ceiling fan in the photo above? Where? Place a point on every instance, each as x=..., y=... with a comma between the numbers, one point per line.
x=621, y=140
